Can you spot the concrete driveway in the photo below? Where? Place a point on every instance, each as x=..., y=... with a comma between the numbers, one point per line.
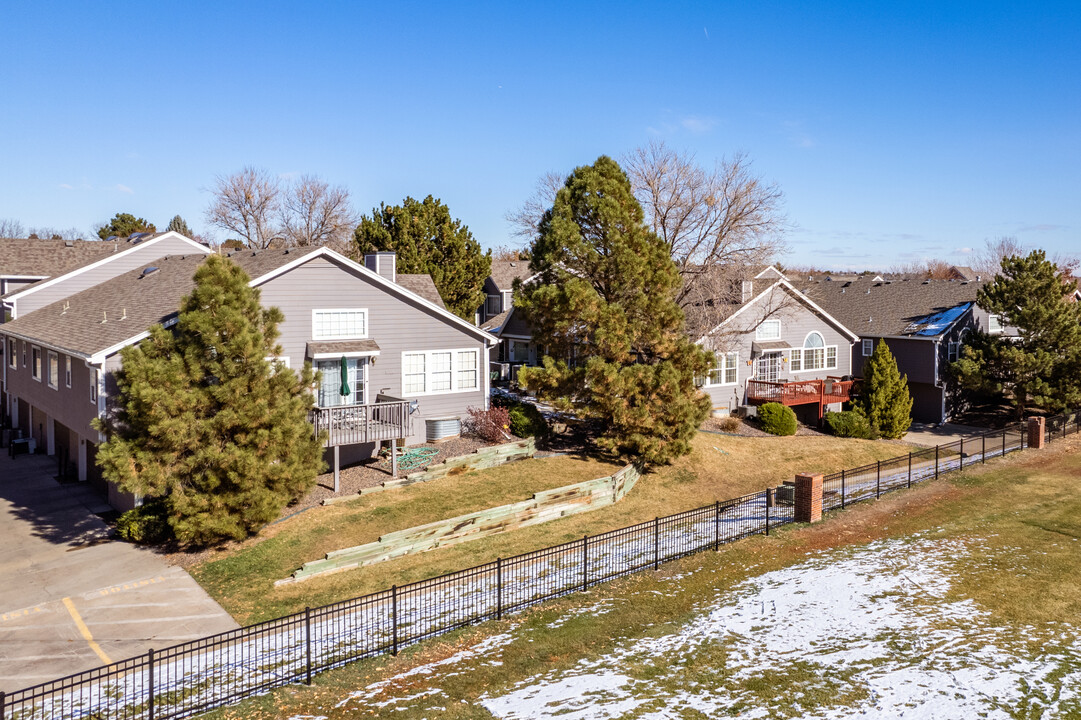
x=70, y=598
x=941, y=434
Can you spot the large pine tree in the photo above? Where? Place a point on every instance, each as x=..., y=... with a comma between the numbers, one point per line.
x=1041, y=364
x=604, y=309
x=428, y=240
x=884, y=398
x=204, y=423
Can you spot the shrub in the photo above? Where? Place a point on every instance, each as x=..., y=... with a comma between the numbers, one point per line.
x=849, y=424
x=146, y=524
x=526, y=421
x=777, y=419
x=730, y=424
x=492, y=425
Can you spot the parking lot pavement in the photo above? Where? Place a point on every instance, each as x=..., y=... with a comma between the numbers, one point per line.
x=71, y=599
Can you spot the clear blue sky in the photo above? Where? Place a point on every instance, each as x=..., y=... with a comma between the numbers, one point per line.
x=896, y=130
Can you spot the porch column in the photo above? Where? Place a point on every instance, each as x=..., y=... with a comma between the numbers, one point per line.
x=82, y=474
x=394, y=458
x=337, y=469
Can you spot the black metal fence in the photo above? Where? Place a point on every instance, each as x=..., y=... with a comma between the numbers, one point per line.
x=197, y=676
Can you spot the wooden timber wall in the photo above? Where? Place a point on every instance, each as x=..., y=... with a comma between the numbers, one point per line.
x=542, y=507
x=479, y=459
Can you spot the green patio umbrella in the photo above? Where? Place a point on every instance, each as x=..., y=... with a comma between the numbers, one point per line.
x=345, y=378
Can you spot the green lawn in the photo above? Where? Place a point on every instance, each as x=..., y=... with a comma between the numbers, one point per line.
x=720, y=467
x=1022, y=513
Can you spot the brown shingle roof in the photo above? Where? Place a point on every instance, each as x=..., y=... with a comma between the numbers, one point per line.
x=504, y=272
x=422, y=285
x=49, y=258
x=877, y=309
x=116, y=310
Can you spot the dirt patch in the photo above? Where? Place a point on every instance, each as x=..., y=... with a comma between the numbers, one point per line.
x=749, y=428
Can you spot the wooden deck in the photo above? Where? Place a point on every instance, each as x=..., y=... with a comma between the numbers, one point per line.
x=354, y=424
x=803, y=392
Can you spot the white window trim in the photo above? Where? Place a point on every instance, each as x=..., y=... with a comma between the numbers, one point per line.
x=365, y=381
x=825, y=361
x=35, y=375
x=315, y=315
x=721, y=367
x=49, y=370
x=758, y=330
x=868, y=352
x=95, y=391
x=453, y=371
x=24, y=352
x=953, y=351
x=13, y=349
x=67, y=371
x=997, y=318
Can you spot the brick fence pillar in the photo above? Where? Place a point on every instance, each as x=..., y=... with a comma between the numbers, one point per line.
x=808, y=497
x=1036, y=432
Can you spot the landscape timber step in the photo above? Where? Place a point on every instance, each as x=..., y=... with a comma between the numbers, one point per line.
x=543, y=506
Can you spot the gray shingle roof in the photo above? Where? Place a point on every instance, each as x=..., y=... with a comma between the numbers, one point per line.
x=504, y=272
x=49, y=258
x=422, y=285
x=495, y=322
x=887, y=308
x=116, y=310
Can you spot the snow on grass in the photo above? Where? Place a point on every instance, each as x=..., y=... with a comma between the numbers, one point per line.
x=873, y=631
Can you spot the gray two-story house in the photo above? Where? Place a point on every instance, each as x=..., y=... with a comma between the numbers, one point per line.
x=922, y=321
x=410, y=363
x=778, y=345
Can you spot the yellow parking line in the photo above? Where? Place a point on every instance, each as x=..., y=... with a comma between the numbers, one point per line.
x=85, y=631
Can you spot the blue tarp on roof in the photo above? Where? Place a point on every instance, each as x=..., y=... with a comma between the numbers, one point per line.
x=937, y=323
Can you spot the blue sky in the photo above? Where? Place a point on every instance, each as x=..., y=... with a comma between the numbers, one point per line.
x=897, y=131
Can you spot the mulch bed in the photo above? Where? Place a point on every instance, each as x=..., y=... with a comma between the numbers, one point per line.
x=748, y=428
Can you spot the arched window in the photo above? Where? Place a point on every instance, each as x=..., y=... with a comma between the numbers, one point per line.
x=814, y=340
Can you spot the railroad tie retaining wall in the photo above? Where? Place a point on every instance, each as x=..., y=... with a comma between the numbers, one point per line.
x=543, y=506
x=477, y=460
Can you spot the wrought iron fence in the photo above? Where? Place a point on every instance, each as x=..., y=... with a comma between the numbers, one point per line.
x=194, y=677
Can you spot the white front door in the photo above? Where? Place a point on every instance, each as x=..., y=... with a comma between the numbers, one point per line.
x=768, y=367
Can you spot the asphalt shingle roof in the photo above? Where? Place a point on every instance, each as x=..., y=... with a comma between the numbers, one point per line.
x=116, y=310
x=888, y=308
x=504, y=272
x=49, y=258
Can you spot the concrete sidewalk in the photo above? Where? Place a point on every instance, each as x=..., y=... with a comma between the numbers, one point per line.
x=71, y=599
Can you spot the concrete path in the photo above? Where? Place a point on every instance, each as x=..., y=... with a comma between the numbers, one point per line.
x=930, y=435
x=70, y=598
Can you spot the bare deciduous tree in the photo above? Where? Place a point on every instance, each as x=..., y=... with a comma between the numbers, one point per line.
x=718, y=224
x=247, y=204
x=10, y=228
x=988, y=261
x=47, y=233
x=314, y=213
x=526, y=219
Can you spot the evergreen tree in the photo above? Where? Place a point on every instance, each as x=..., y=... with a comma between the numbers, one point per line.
x=605, y=312
x=884, y=398
x=204, y=424
x=177, y=224
x=428, y=240
x=124, y=224
x=1042, y=364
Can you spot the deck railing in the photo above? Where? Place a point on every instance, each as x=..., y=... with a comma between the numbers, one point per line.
x=830, y=390
x=353, y=424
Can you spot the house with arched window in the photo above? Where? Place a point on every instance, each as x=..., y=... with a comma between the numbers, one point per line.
x=779, y=346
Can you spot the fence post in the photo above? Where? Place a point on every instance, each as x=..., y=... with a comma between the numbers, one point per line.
x=394, y=619
x=765, y=497
x=656, y=542
x=961, y=466
x=150, y=686
x=3, y=705
x=499, y=588
x=936, y=461
x=842, y=489
x=308, y=640
x=878, y=479
x=910, y=469
x=716, y=525
x=1004, y=441
x=585, y=561
x=808, y=497
x=1037, y=432
x=983, y=448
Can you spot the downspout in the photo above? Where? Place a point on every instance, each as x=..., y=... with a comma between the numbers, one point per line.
x=940, y=385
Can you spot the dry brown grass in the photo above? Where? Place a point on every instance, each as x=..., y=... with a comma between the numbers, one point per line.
x=720, y=467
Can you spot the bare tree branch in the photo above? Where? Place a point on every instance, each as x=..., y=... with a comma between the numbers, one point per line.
x=526, y=219
x=246, y=204
x=314, y=213
x=11, y=228
x=988, y=262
